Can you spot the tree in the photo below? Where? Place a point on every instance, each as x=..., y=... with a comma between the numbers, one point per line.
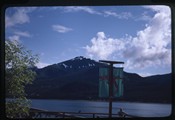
x=18, y=73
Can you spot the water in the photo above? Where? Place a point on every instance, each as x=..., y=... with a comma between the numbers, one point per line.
x=136, y=109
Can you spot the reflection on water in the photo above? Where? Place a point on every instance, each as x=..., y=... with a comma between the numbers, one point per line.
x=137, y=109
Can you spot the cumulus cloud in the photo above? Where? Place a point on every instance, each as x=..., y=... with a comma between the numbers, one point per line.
x=150, y=47
x=103, y=47
x=61, y=29
x=20, y=16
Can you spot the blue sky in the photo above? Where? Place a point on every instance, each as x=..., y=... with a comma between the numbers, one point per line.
x=138, y=35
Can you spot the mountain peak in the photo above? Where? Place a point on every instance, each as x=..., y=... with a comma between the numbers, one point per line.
x=79, y=58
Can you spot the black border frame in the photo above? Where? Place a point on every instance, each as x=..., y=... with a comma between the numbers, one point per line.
x=11, y=3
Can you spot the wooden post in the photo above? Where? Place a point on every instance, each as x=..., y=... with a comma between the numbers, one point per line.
x=110, y=89
x=93, y=115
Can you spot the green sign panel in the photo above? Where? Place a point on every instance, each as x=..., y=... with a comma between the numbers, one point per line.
x=104, y=82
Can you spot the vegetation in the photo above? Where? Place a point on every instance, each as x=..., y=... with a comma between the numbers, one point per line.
x=18, y=73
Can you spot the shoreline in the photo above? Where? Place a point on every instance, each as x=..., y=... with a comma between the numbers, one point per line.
x=100, y=101
x=106, y=100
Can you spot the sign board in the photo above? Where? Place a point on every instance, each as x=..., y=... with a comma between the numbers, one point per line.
x=104, y=82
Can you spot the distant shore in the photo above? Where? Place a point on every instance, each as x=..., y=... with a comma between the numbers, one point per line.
x=106, y=100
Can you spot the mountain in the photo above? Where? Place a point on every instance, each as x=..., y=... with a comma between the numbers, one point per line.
x=78, y=78
x=149, y=89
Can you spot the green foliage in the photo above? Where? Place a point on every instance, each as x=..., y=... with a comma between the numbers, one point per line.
x=18, y=62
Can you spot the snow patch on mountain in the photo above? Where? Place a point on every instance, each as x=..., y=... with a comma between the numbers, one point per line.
x=78, y=58
x=65, y=65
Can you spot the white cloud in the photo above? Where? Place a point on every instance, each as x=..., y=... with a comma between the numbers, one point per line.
x=20, y=16
x=123, y=15
x=145, y=16
x=150, y=47
x=23, y=34
x=17, y=35
x=102, y=47
x=61, y=29
x=77, y=9
x=14, y=37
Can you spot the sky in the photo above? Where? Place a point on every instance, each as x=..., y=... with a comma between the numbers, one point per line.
x=140, y=36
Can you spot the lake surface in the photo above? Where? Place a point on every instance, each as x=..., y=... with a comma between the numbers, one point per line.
x=136, y=109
